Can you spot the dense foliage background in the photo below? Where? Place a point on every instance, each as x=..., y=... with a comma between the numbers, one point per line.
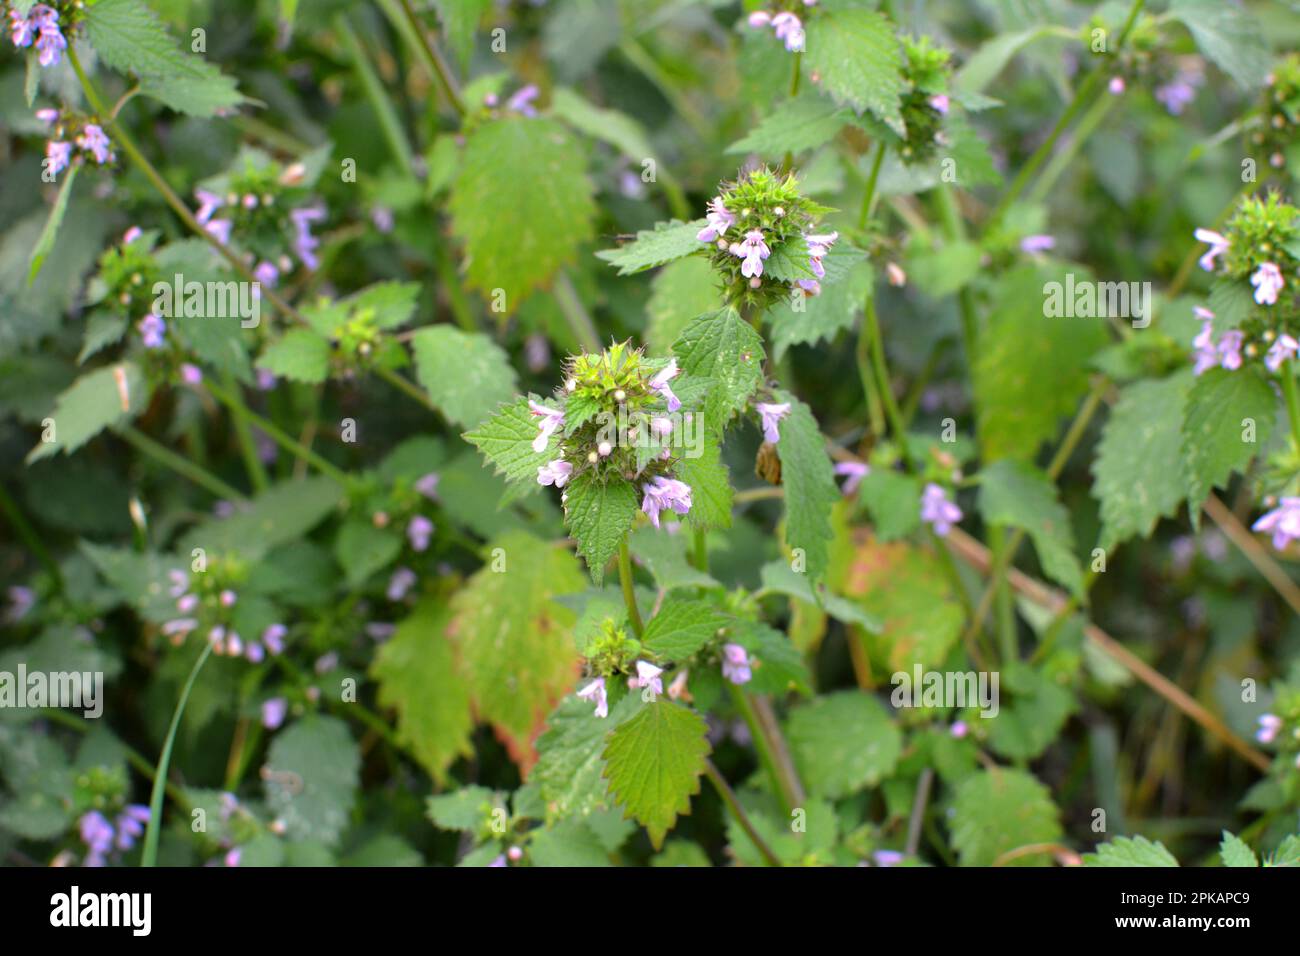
x=321, y=531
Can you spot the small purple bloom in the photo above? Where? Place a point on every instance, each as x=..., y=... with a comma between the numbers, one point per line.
x=151, y=331
x=179, y=627
x=383, y=220
x=1284, y=347
x=665, y=494
x=209, y=203
x=940, y=103
x=771, y=415
x=1176, y=96
x=418, y=532
x=254, y=652
x=552, y=419
x=1037, y=243
x=97, y=833
x=228, y=598
x=1267, y=281
x=187, y=603
x=267, y=274
x=855, y=471
x=58, y=154
x=937, y=510
x=273, y=638
x=521, y=101
x=273, y=712
x=555, y=473
x=1207, y=356
x=94, y=141
x=1116, y=85
x=428, y=485
x=537, y=352
x=887, y=857
x=1269, y=725
x=659, y=384
x=21, y=600
x=1283, y=522
x=191, y=374
x=1230, y=349
x=595, y=693
x=130, y=825
x=753, y=250
x=400, y=583
x=818, y=247
x=719, y=219
x=735, y=664
x=789, y=29
x=1218, y=245
x=47, y=116
x=305, y=244
x=647, y=676
x=959, y=729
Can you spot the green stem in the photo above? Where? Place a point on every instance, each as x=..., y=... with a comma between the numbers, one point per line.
x=1061, y=161
x=737, y=811
x=247, y=446
x=883, y=383
x=652, y=71
x=1292, y=401
x=629, y=592
x=150, y=854
x=796, y=72
x=566, y=296
x=389, y=123
x=782, y=787
x=869, y=197
x=701, y=550
x=868, y=380
x=179, y=464
x=417, y=33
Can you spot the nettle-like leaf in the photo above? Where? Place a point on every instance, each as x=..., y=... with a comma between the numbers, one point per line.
x=514, y=638
x=810, y=489
x=1017, y=494
x=506, y=440
x=723, y=347
x=1235, y=853
x=1229, y=35
x=128, y=37
x=97, y=400
x=361, y=549
x=664, y=555
x=1130, y=851
x=1139, y=471
x=311, y=777
x=805, y=122
x=522, y=205
x=1229, y=417
x=656, y=247
x=678, y=293
x=466, y=374
x=418, y=676
x=654, y=762
x=845, y=289
x=1033, y=709
x=843, y=742
x=279, y=515
x=465, y=810
x=681, y=628
x=710, y=481
x=857, y=56
x=571, y=756
x=598, y=514
x=999, y=810
x=892, y=500
x=301, y=355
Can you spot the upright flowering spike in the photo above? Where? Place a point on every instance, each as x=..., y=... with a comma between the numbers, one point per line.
x=551, y=420
x=1283, y=522
x=665, y=494
x=854, y=471
x=719, y=219
x=1269, y=725
x=937, y=510
x=419, y=531
x=771, y=415
x=753, y=250
x=1219, y=244
x=659, y=383
x=555, y=473
x=1267, y=281
x=595, y=693
x=735, y=664
x=647, y=676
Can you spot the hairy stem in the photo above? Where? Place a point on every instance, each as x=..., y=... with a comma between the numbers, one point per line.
x=179, y=464
x=733, y=805
x=629, y=591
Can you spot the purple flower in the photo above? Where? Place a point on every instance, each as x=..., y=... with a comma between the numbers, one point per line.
x=818, y=247
x=753, y=250
x=1283, y=348
x=402, y=581
x=940, y=103
x=720, y=220
x=191, y=374
x=855, y=472
x=1218, y=245
x=959, y=729
x=551, y=420
x=1116, y=85
x=382, y=217
x=537, y=352
x=735, y=664
x=209, y=203
x=1037, y=243
x=23, y=28
x=659, y=385
x=58, y=154
x=555, y=473
x=130, y=825
x=228, y=598
x=327, y=662
x=180, y=582
x=759, y=19
x=42, y=25
x=789, y=29
x=232, y=858
x=1176, y=95
x=887, y=857
x=647, y=675
x=1269, y=725
x=521, y=101
x=428, y=485
x=151, y=331
x=187, y=603
x=94, y=141
x=273, y=638
x=131, y=235
x=499, y=861
x=1283, y=522
x=937, y=510
x=21, y=600
x=665, y=493
x=1207, y=356
x=177, y=628
x=595, y=693
x=273, y=712
x=304, y=243
x=255, y=652
x=97, y=833
x=1267, y=281
x=267, y=274
x=771, y=415
x=48, y=116
x=1230, y=349
x=418, y=532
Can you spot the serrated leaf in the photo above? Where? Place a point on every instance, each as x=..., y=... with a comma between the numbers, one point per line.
x=1219, y=404
x=665, y=555
x=460, y=20
x=844, y=291
x=810, y=489
x=571, y=761
x=506, y=440
x=598, y=514
x=723, y=347
x=805, y=122
x=655, y=247
x=843, y=742
x=678, y=293
x=301, y=356
x=51, y=231
x=418, y=676
x=1229, y=35
x=1016, y=494
x=311, y=776
x=95, y=401
x=568, y=843
x=1138, y=472
x=890, y=498
x=361, y=549
x=654, y=762
x=466, y=374
x=281, y=514
x=522, y=205
x=681, y=628
x=1235, y=853
x=999, y=810
x=466, y=809
x=711, y=491
x=1231, y=302
x=859, y=60
x=1130, y=851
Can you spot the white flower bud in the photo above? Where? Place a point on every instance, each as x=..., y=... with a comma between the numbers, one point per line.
x=620, y=396
x=571, y=385
x=591, y=457
x=604, y=448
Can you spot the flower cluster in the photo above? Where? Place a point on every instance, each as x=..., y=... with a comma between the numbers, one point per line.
x=926, y=104
x=1281, y=727
x=39, y=29
x=102, y=837
x=784, y=23
x=1281, y=112
x=73, y=138
x=937, y=510
x=205, y=605
x=764, y=238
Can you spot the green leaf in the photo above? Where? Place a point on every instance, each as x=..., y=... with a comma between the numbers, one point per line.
x=810, y=489
x=845, y=289
x=1229, y=35
x=1033, y=708
x=777, y=664
x=460, y=20
x=1016, y=494
x=128, y=37
x=1214, y=430
x=301, y=355
x=1287, y=853
x=1138, y=473
x=361, y=549
x=97, y=400
x=843, y=742
x=993, y=56
x=805, y=122
x=654, y=762
x=466, y=374
x=1235, y=853
x=711, y=491
x=467, y=809
x=417, y=675
x=723, y=347
x=281, y=514
x=1130, y=851
x=609, y=126
x=571, y=761
x=506, y=440
x=515, y=645
x=598, y=514
x=655, y=247
x=995, y=811
x=681, y=628
x=568, y=843
x=51, y=231
x=779, y=577
x=943, y=271
x=892, y=499
x=665, y=555
x=678, y=293
x=311, y=776
x=522, y=205
x=858, y=57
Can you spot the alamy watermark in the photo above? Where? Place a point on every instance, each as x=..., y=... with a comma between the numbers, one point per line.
x=1085, y=299
x=78, y=690
x=959, y=689
x=209, y=300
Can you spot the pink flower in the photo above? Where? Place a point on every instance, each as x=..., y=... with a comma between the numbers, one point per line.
x=753, y=250
x=647, y=675
x=937, y=510
x=757, y=19
x=1283, y=522
x=151, y=331
x=551, y=420
x=428, y=485
x=273, y=712
x=94, y=141
x=273, y=638
x=818, y=247
x=521, y=101
x=267, y=274
x=959, y=729
x=1116, y=85
x=1207, y=356
x=209, y=203
x=771, y=415
x=659, y=384
x=595, y=693
x=191, y=374
x=1283, y=348
x=855, y=471
x=58, y=154
x=48, y=116
x=1269, y=725
x=789, y=29
x=940, y=103
x=1267, y=281
x=1218, y=245
x=555, y=473
x=735, y=664
x=1037, y=243
x=665, y=494
x=1230, y=350
x=418, y=532
x=719, y=219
